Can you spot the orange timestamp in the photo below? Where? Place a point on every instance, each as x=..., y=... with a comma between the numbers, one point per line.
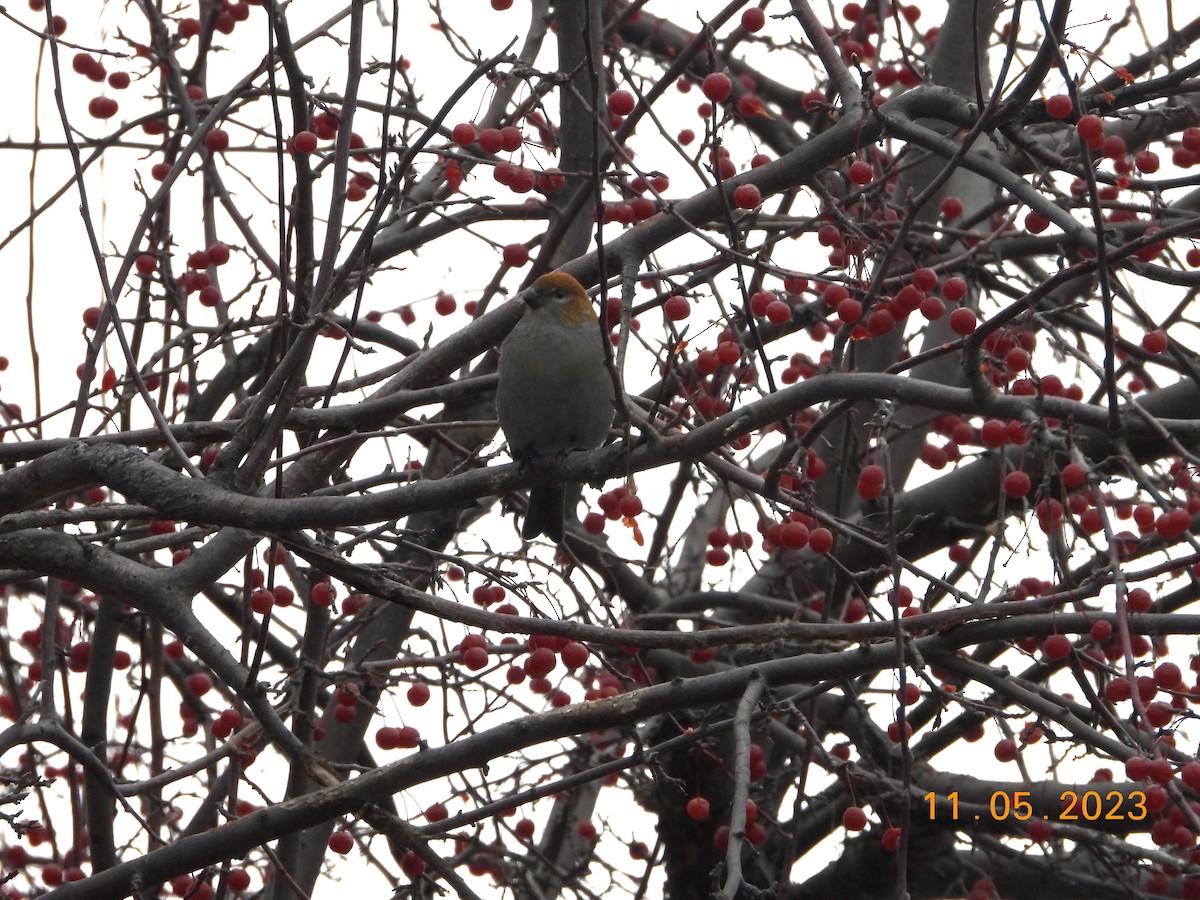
x=1074, y=806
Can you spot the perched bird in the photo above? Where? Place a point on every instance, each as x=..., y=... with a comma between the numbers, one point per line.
x=555, y=393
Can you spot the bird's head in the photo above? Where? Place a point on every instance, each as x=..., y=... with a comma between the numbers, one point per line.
x=562, y=295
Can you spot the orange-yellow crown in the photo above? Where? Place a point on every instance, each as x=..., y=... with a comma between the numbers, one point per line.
x=574, y=308
x=558, y=281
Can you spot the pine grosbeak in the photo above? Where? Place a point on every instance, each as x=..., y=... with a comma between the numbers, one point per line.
x=555, y=393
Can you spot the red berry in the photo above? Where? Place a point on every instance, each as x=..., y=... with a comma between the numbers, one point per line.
x=954, y=288
x=593, y=523
x=820, y=540
x=238, y=880
x=262, y=601
x=963, y=321
x=952, y=208
x=849, y=310
x=835, y=294
x=1168, y=676
x=79, y=655
x=525, y=829
x=218, y=253
x=621, y=103
x=407, y=737
x=1040, y=831
x=1090, y=128
x=1057, y=646
x=412, y=865
x=717, y=556
x=445, y=304
x=574, y=655
x=304, y=142
x=515, y=255
x=1036, y=223
x=1006, y=750
x=793, y=535
x=677, y=308
x=759, y=301
x=860, y=172
x=1154, y=341
x=1147, y=162
x=540, y=662
x=341, y=842
x=83, y=63
x=418, y=694
x=1117, y=691
x=490, y=140
x=747, y=196
x=753, y=19
x=102, y=107
x=91, y=316
x=630, y=506
x=1073, y=475
x=1017, y=484
x=870, y=482
x=778, y=312
x=1172, y=524
x=881, y=321
x=464, y=134
x=475, y=658
x=698, y=808
x=994, y=433
x=717, y=87
x=216, y=140
x=925, y=279
x=1139, y=600
x=1059, y=106
x=511, y=138
x=698, y=655
x=1161, y=770
x=386, y=738
x=891, y=839
x=321, y=594
x=909, y=695
x=854, y=819
x=932, y=308
x=210, y=296
x=198, y=684
x=1191, y=775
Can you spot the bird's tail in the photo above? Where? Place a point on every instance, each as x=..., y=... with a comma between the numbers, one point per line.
x=547, y=507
